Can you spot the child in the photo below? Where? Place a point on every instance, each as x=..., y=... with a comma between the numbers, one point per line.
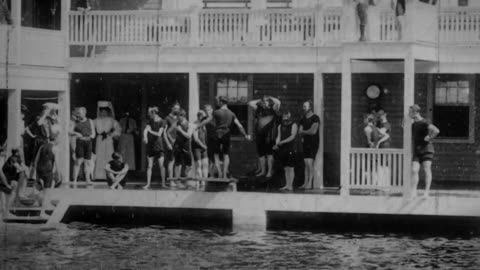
x=199, y=146
x=116, y=171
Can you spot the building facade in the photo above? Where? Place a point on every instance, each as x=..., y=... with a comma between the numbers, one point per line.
x=159, y=52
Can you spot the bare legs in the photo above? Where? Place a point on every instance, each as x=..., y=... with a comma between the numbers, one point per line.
x=427, y=169
x=160, y=161
x=289, y=176
x=116, y=179
x=265, y=166
x=262, y=166
x=307, y=184
x=270, y=166
x=222, y=172
x=86, y=168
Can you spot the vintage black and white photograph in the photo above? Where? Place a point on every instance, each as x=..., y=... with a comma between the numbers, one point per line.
x=239, y=134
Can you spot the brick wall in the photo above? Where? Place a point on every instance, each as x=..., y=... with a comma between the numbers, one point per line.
x=453, y=161
x=291, y=89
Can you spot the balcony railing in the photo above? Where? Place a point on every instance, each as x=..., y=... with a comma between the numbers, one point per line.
x=272, y=27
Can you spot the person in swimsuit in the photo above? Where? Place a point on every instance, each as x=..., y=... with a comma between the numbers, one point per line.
x=384, y=128
x=423, y=132
x=152, y=137
x=371, y=131
x=11, y=172
x=210, y=128
x=266, y=110
x=182, y=147
x=169, y=137
x=84, y=133
x=199, y=146
x=224, y=118
x=116, y=171
x=309, y=130
x=285, y=148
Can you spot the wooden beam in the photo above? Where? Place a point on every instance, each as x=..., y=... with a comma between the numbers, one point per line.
x=346, y=122
x=193, y=95
x=319, y=110
x=64, y=115
x=14, y=119
x=408, y=100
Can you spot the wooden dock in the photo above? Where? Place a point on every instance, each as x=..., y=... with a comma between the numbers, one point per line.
x=250, y=210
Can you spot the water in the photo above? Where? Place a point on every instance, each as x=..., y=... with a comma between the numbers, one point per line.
x=85, y=246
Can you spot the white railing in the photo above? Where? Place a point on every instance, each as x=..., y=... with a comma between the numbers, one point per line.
x=459, y=25
x=376, y=168
x=271, y=27
x=130, y=27
x=330, y=25
x=388, y=25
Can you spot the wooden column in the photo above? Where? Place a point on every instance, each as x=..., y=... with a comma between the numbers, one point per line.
x=14, y=119
x=65, y=26
x=64, y=117
x=17, y=23
x=319, y=110
x=408, y=100
x=193, y=96
x=346, y=122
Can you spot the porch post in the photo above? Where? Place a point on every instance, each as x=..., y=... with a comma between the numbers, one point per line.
x=65, y=12
x=17, y=23
x=318, y=109
x=346, y=122
x=14, y=119
x=64, y=113
x=408, y=100
x=193, y=96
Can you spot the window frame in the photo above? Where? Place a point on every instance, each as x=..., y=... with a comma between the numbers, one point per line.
x=250, y=115
x=471, y=104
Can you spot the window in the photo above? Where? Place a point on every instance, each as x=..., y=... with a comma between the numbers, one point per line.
x=462, y=3
x=235, y=88
x=226, y=3
x=43, y=14
x=279, y=3
x=454, y=107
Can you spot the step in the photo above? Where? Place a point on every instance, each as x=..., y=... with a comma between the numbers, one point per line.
x=33, y=220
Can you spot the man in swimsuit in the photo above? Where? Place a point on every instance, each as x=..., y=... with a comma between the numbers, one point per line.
x=285, y=147
x=84, y=132
x=266, y=110
x=224, y=118
x=152, y=137
x=169, y=137
x=423, y=133
x=309, y=130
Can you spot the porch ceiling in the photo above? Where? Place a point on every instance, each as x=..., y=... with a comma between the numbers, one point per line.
x=390, y=51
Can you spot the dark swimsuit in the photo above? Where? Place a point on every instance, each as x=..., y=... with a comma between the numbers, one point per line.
x=155, y=145
x=287, y=152
x=265, y=136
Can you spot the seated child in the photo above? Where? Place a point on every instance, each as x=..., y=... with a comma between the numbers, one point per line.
x=116, y=171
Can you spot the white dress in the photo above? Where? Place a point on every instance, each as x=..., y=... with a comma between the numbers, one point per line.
x=104, y=146
x=126, y=144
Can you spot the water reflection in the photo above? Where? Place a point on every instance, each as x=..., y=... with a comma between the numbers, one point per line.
x=86, y=246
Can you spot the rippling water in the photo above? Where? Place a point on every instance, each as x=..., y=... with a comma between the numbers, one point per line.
x=85, y=246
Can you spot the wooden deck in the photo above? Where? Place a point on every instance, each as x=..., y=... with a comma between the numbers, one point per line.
x=249, y=210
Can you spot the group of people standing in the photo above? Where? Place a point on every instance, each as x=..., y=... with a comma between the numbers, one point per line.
x=276, y=139
x=35, y=159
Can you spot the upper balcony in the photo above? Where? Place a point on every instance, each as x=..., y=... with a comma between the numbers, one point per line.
x=312, y=27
